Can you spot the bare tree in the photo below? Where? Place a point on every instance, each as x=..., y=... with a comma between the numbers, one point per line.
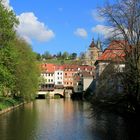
x=123, y=17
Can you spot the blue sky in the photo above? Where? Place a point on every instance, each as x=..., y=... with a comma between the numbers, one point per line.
x=58, y=25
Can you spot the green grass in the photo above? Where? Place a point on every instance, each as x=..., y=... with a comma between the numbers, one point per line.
x=61, y=61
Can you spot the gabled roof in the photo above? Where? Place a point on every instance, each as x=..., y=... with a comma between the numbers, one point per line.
x=115, y=51
x=50, y=68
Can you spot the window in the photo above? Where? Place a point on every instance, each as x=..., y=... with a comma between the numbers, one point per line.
x=59, y=83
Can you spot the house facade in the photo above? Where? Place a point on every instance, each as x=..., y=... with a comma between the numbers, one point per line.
x=59, y=76
x=74, y=78
x=109, y=67
x=47, y=77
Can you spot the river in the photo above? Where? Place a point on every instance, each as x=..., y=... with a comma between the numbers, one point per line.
x=64, y=119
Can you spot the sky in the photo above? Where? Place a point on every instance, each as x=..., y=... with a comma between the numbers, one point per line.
x=59, y=25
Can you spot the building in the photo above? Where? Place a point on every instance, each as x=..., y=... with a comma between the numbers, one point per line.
x=59, y=76
x=69, y=71
x=47, y=77
x=83, y=78
x=93, y=52
x=65, y=79
x=109, y=66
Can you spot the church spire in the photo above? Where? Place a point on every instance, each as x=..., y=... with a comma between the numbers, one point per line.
x=92, y=45
x=99, y=46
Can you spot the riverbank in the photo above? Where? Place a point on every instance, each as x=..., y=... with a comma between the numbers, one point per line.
x=8, y=104
x=118, y=106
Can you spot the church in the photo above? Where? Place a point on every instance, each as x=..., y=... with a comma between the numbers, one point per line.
x=93, y=52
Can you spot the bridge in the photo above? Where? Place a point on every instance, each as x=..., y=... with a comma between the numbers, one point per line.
x=62, y=93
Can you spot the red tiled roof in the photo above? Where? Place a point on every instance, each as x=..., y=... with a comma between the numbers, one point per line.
x=115, y=51
x=70, y=67
x=86, y=74
x=59, y=67
x=86, y=68
x=48, y=67
x=52, y=67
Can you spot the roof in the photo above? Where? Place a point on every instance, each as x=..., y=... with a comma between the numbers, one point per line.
x=92, y=45
x=86, y=74
x=115, y=51
x=59, y=67
x=51, y=68
x=70, y=67
x=48, y=67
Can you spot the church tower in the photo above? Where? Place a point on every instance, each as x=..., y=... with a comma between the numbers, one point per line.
x=93, y=52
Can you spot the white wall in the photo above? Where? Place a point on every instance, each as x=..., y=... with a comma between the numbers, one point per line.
x=58, y=77
x=86, y=82
x=49, y=78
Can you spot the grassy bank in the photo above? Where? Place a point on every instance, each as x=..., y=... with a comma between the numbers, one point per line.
x=8, y=102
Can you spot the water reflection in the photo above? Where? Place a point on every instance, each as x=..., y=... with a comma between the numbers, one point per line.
x=63, y=120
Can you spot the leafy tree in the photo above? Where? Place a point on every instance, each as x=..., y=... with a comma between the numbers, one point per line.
x=27, y=71
x=46, y=55
x=73, y=56
x=8, y=21
x=38, y=56
x=65, y=55
x=18, y=68
x=7, y=73
x=59, y=55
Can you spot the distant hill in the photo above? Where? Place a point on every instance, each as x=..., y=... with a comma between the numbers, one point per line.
x=62, y=61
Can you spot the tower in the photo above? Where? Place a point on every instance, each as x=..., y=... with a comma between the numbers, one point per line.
x=93, y=52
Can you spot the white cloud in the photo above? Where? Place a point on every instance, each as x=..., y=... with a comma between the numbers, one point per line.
x=81, y=32
x=96, y=16
x=6, y=3
x=106, y=31
x=30, y=28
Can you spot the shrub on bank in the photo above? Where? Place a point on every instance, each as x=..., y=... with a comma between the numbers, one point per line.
x=8, y=102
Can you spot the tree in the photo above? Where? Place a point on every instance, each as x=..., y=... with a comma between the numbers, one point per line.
x=65, y=55
x=27, y=71
x=18, y=68
x=46, y=55
x=123, y=17
x=38, y=56
x=73, y=56
x=59, y=55
x=8, y=22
